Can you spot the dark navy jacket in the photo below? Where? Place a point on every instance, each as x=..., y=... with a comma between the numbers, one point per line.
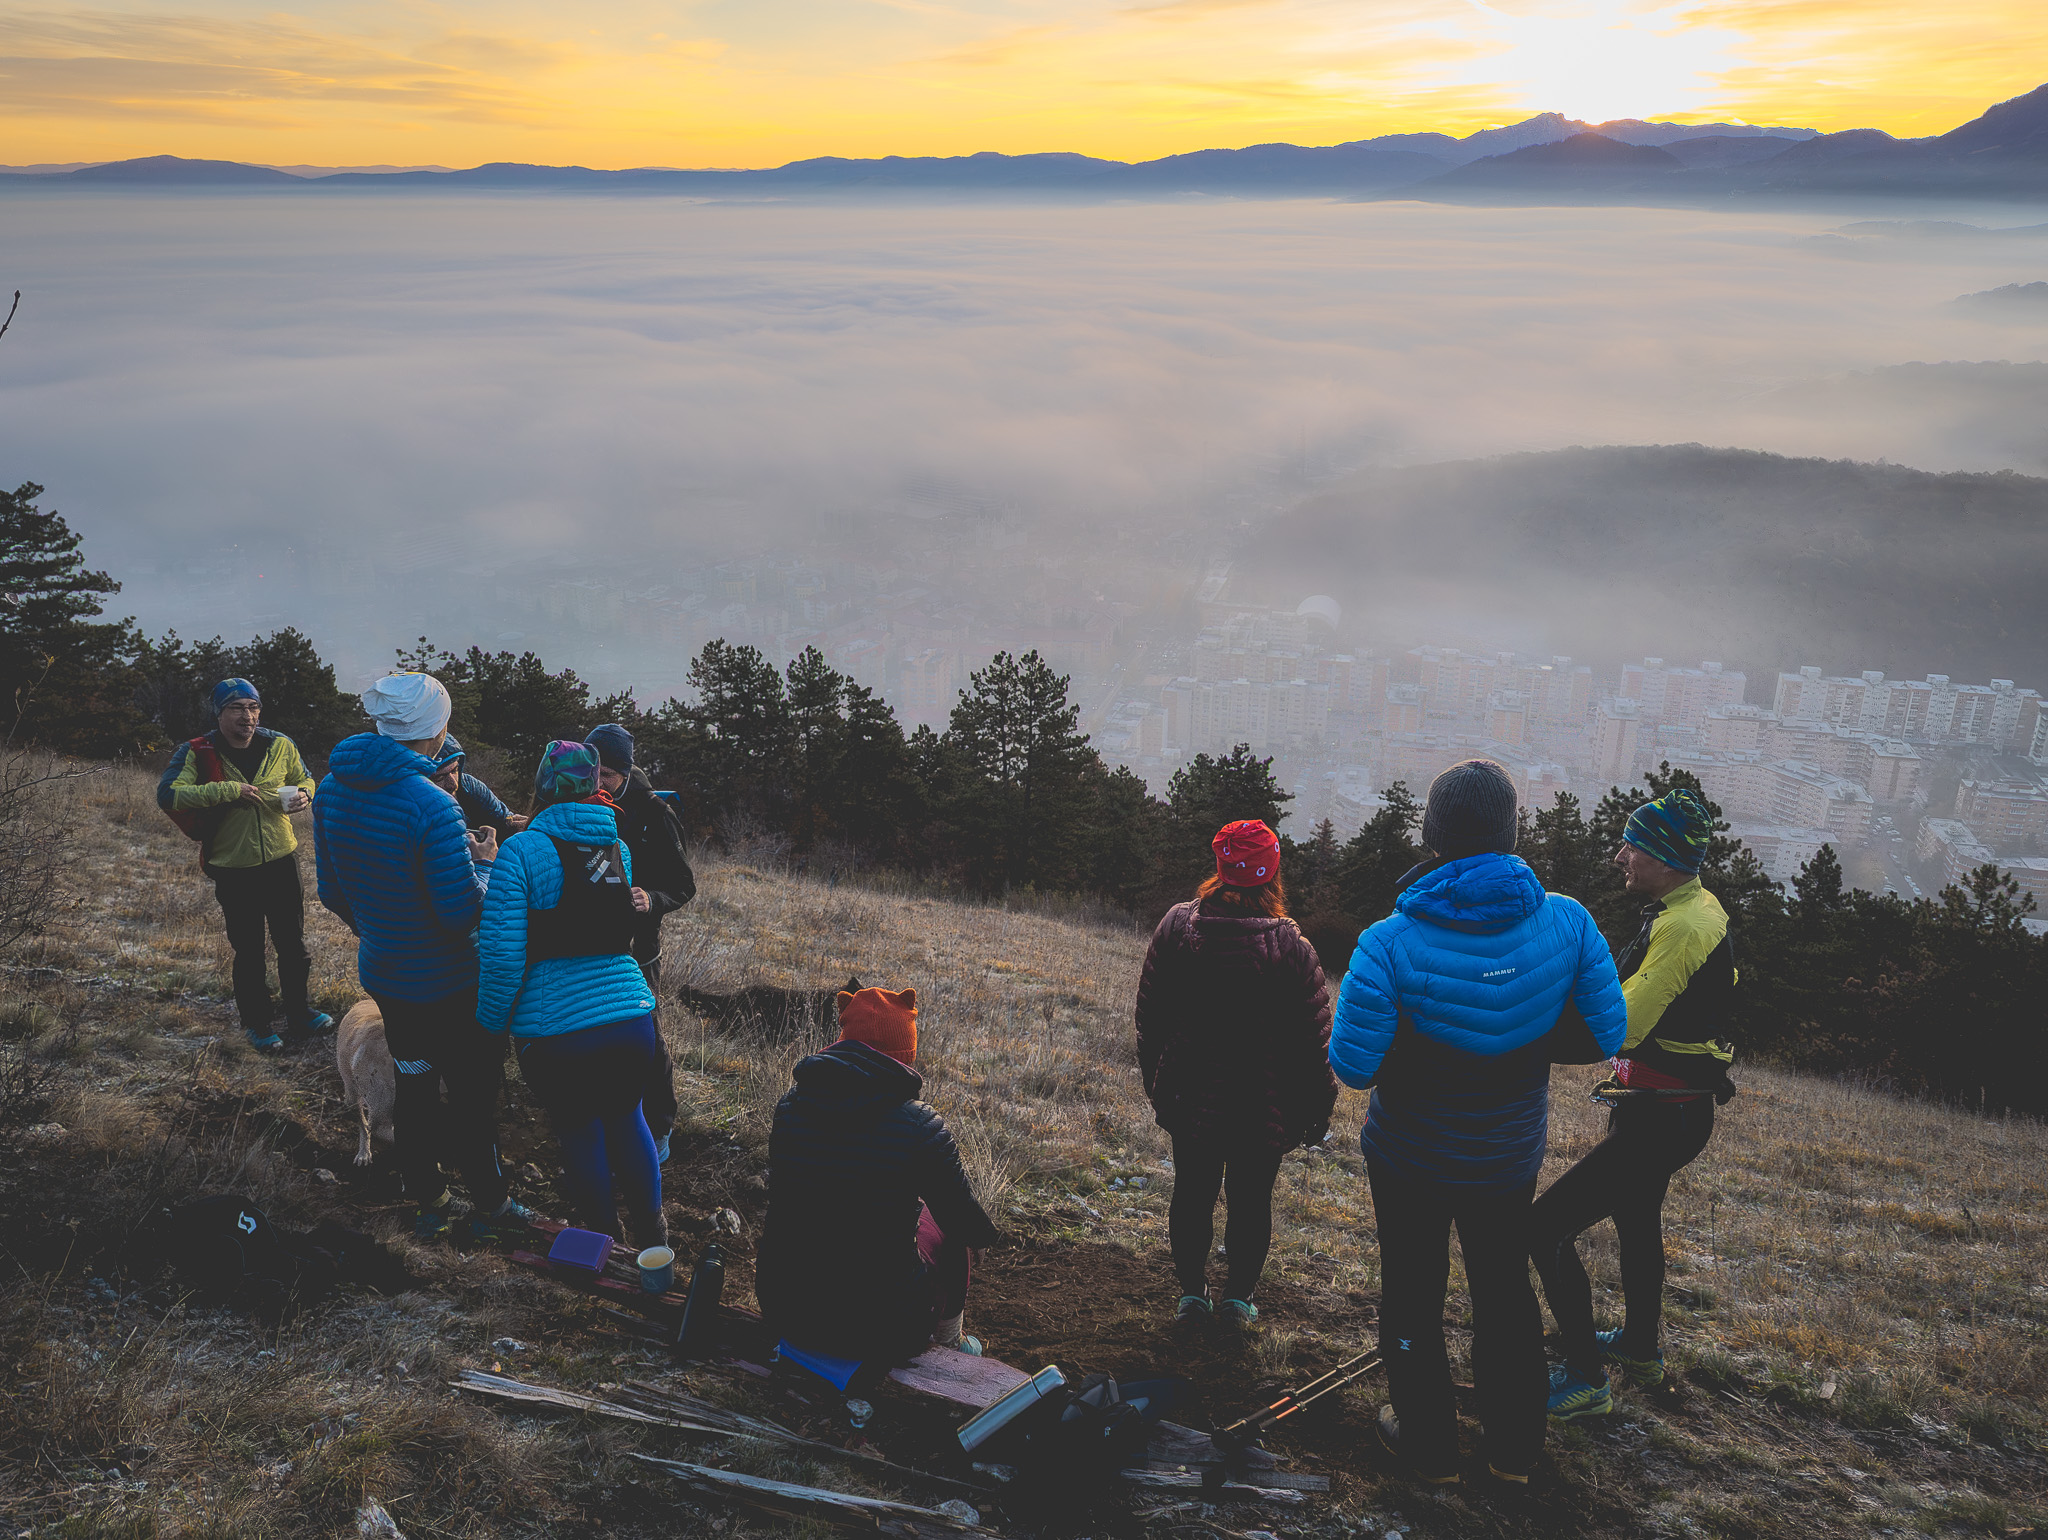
x=394, y=863
x=1448, y=1010
x=852, y=1155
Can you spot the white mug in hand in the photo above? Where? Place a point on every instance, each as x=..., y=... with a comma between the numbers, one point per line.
x=290, y=798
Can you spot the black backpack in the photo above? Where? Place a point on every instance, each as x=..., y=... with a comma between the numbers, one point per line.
x=1091, y=1430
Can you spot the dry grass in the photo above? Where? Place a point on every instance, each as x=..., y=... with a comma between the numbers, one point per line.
x=1862, y=1275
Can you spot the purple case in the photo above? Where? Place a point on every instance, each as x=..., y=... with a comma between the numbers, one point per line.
x=581, y=1248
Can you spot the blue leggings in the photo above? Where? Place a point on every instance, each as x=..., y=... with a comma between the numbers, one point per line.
x=589, y=1084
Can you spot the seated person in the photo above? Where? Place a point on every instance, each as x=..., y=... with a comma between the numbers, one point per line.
x=872, y=1229
x=480, y=805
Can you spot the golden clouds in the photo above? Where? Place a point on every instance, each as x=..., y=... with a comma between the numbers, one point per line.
x=690, y=82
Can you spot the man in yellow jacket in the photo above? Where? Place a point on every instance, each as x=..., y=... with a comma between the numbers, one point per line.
x=234, y=790
x=1679, y=978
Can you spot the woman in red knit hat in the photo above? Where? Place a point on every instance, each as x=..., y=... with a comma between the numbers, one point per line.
x=1233, y=1037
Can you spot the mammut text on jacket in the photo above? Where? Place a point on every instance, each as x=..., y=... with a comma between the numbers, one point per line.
x=249, y=833
x=852, y=1155
x=557, y=994
x=1233, y=1019
x=1446, y=1011
x=394, y=864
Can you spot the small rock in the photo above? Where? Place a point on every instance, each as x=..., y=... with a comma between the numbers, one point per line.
x=1138, y=1182
x=967, y=1513
x=324, y=1177
x=43, y=1131
x=858, y=1412
x=726, y=1222
x=373, y=1523
x=1117, y=1185
x=102, y=1290
x=1827, y=1390
x=1000, y=1473
x=508, y=1345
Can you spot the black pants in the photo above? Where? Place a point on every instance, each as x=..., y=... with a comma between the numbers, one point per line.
x=430, y=1042
x=250, y=898
x=1624, y=1178
x=1245, y=1176
x=658, y=1096
x=1415, y=1215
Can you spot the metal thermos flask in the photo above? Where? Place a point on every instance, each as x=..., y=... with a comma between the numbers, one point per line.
x=1008, y=1407
x=700, y=1308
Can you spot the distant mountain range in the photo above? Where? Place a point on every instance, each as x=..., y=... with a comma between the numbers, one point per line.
x=1548, y=158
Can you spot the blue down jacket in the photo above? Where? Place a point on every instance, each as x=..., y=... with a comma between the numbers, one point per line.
x=1448, y=1013
x=557, y=994
x=393, y=861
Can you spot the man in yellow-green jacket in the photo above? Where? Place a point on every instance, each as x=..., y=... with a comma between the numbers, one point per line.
x=1678, y=977
x=234, y=790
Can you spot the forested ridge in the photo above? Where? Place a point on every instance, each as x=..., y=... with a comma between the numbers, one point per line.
x=804, y=765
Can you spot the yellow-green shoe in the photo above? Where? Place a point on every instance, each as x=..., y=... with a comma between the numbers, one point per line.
x=1572, y=1398
x=1640, y=1371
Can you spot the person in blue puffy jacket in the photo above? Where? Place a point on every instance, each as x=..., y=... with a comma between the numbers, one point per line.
x=559, y=976
x=1454, y=1009
x=396, y=864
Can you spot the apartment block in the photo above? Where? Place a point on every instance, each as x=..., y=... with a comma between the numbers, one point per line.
x=1779, y=850
x=1616, y=726
x=1680, y=696
x=2004, y=814
x=1930, y=710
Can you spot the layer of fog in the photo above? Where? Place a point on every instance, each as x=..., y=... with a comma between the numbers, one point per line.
x=201, y=381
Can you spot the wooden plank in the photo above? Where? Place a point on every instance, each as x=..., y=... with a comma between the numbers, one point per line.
x=504, y=1389
x=1176, y=1445
x=960, y=1378
x=795, y=1501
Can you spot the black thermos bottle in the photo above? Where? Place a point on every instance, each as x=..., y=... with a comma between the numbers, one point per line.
x=699, y=1330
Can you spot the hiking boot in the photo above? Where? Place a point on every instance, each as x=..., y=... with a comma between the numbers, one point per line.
x=1572, y=1398
x=1639, y=1371
x=1237, y=1312
x=313, y=1021
x=267, y=1042
x=432, y=1221
x=1195, y=1308
x=510, y=1223
x=1390, y=1435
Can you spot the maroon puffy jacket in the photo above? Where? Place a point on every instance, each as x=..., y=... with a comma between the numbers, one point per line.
x=1234, y=1030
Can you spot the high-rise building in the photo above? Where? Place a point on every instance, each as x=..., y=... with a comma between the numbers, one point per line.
x=1615, y=729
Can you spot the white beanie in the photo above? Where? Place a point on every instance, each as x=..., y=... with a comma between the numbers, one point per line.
x=408, y=707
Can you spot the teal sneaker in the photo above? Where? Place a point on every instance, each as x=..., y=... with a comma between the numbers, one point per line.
x=1572, y=1398
x=510, y=1223
x=1195, y=1308
x=1237, y=1312
x=1640, y=1371
x=313, y=1022
x=971, y=1346
x=267, y=1042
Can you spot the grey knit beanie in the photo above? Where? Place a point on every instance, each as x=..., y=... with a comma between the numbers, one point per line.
x=1471, y=811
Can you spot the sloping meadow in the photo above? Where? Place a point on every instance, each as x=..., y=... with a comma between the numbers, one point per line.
x=1854, y=1302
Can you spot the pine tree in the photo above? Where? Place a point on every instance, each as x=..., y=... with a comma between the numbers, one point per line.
x=1379, y=855
x=1020, y=737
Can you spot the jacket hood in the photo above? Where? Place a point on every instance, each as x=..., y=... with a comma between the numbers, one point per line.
x=1481, y=893
x=851, y=1080
x=585, y=823
x=370, y=762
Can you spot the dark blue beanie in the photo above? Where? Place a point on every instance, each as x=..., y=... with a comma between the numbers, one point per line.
x=1471, y=811
x=233, y=689
x=614, y=746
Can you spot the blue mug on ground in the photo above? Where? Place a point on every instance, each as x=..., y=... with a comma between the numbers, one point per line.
x=657, y=1269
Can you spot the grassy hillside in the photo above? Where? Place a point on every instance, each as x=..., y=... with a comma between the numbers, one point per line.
x=1687, y=553
x=1854, y=1306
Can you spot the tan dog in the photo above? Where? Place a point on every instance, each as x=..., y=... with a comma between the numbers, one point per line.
x=369, y=1082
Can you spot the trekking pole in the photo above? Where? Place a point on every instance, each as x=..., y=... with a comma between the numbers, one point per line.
x=1249, y=1429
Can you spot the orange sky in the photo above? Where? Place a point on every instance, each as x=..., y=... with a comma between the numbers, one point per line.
x=760, y=82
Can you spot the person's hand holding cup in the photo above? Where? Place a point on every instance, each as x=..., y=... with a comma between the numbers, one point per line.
x=290, y=799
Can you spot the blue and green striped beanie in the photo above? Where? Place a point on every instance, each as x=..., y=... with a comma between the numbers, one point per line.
x=1675, y=829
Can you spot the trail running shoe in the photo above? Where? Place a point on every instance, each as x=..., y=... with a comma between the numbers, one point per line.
x=313, y=1021
x=1194, y=1307
x=1237, y=1312
x=971, y=1346
x=1572, y=1398
x=1640, y=1371
x=431, y=1221
x=268, y=1042
x=510, y=1223
x=1390, y=1435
